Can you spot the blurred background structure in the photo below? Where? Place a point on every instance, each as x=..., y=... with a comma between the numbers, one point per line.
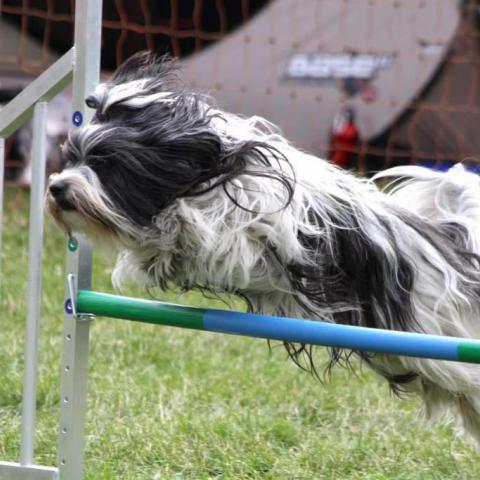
x=367, y=83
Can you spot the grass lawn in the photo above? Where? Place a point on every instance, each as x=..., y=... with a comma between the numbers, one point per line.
x=173, y=404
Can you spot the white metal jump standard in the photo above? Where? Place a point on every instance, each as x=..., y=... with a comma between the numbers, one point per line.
x=82, y=63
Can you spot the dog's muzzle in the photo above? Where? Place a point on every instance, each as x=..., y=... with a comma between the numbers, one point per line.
x=59, y=192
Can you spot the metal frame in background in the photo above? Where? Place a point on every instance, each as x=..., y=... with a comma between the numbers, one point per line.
x=82, y=63
x=35, y=247
x=44, y=87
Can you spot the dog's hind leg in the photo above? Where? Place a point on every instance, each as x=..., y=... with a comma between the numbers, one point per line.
x=449, y=387
x=469, y=410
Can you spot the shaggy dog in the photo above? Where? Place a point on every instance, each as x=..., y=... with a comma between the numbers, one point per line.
x=194, y=197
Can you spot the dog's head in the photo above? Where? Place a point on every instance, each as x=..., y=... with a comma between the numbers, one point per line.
x=150, y=142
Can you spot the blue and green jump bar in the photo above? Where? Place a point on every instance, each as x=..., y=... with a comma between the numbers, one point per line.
x=279, y=328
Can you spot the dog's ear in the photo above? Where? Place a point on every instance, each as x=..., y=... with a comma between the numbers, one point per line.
x=146, y=65
x=250, y=158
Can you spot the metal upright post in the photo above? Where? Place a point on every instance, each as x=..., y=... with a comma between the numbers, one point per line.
x=35, y=244
x=88, y=22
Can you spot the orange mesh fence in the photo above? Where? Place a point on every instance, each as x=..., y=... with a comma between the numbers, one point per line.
x=437, y=128
x=176, y=26
x=440, y=125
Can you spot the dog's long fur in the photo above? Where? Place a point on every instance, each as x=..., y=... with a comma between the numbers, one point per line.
x=195, y=197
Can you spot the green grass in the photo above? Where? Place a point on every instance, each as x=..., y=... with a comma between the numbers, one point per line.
x=171, y=404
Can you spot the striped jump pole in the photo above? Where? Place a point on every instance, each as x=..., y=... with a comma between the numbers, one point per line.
x=279, y=328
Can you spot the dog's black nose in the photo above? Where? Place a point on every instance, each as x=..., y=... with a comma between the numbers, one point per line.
x=59, y=191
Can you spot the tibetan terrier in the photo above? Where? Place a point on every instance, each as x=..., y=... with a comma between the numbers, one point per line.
x=195, y=197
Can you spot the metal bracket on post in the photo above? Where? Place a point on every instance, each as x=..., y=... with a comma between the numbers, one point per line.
x=72, y=295
x=71, y=303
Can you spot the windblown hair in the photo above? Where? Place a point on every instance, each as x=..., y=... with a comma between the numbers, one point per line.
x=194, y=197
x=184, y=158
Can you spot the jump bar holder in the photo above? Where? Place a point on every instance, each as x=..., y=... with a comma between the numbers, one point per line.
x=279, y=328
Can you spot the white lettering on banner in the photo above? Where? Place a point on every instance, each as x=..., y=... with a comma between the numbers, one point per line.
x=325, y=66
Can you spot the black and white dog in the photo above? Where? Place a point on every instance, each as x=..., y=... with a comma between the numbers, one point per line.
x=194, y=197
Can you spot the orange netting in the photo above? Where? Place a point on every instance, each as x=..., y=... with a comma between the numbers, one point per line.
x=41, y=30
x=176, y=26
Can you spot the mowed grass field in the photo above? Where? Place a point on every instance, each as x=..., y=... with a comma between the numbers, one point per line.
x=172, y=404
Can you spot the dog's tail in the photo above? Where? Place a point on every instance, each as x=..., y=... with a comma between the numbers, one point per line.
x=452, y=196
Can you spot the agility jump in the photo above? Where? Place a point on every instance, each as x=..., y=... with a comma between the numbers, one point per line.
x=279, y=328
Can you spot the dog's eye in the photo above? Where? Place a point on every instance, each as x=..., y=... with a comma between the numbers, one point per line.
x=96, y=162
x=66, y=161
x=115, y=110
x=101, y=117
